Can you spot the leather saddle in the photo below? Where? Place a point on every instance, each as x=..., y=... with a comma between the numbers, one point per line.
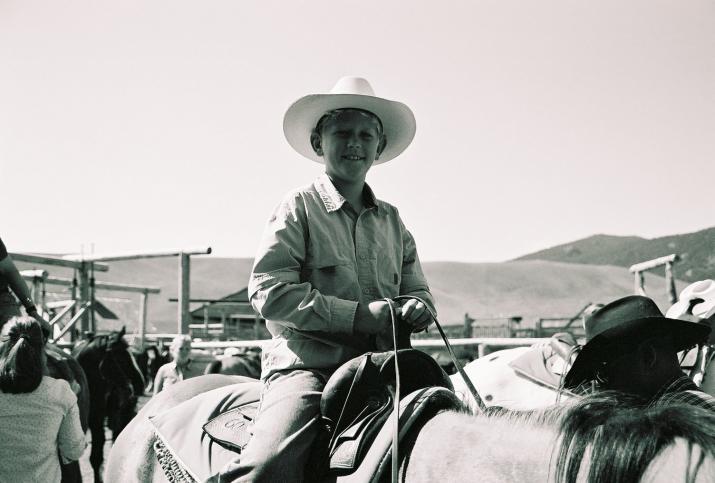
x=546, y=364
x=357, y=401
x=360, y=395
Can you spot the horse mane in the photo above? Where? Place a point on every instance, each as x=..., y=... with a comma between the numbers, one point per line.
x=104, y=341
x=618, y=435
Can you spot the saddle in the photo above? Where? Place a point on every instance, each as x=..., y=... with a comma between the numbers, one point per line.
x=546, y=363
x=356, y=403
x=359, y=397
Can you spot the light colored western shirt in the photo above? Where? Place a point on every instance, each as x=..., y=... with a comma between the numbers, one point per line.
x=318, y=258
x=36, y=429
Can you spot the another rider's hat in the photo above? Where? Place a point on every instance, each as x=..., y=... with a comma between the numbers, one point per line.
x=397, y=119
x=619, y=326
x=697, y=304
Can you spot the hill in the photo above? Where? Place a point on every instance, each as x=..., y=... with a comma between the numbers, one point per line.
x=530, y=289
x=697, y=252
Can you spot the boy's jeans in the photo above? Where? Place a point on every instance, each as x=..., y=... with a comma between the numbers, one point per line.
x=285, y=427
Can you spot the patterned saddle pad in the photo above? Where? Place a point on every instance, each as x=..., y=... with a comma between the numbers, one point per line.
x=181, y=434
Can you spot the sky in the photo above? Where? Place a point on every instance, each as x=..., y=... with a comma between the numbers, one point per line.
x=155, y=125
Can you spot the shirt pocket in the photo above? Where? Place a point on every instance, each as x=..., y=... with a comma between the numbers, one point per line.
x=331, y=273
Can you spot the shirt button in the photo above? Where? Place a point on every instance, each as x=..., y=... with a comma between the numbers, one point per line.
x=362, y=257
x=366, y=291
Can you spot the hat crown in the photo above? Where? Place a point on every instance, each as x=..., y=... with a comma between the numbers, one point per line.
x=618, y=312
x=704, y=289
x=353, y=85
x=697, y=301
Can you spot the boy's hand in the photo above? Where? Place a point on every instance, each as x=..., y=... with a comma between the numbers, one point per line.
x=416, y=314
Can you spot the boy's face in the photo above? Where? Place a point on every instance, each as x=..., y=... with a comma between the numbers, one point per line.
x=349, y=142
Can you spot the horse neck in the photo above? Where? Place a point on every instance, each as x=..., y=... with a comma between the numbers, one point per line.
x=494, y=449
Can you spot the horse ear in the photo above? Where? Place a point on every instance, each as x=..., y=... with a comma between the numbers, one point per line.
x=123, y=331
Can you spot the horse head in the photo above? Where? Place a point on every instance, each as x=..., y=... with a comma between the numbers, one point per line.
x=118, y=367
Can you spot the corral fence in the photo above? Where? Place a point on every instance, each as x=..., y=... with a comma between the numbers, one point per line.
x=465, y=348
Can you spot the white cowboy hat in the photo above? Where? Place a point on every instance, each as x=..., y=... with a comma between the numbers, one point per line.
x=300, y=119
x=231, y=351
x=704, y=290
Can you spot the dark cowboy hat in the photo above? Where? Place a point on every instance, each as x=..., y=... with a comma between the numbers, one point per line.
x=619, y=326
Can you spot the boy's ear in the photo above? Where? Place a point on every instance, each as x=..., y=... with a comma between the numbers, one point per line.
x=316, y=143
x=648, y=354
x=381, y=146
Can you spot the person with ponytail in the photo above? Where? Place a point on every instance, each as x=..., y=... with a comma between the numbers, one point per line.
x=39, y=417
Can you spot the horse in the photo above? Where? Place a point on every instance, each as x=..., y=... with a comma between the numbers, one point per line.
x=149, y=360
x=115, y=382
x=601, y=437
x=246, y=363
x=60, y=365
x=525, y=378
x=521, y=378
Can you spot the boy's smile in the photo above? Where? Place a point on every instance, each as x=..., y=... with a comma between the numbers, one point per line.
x=349, y=143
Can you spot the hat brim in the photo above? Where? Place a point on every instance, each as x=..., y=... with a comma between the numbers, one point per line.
x=617, y=340
x=398, y=121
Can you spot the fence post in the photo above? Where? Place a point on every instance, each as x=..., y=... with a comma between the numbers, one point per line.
x=83, y=298
x=670, y=282
x=142, y=317
x=184, y=292
x=467, y=325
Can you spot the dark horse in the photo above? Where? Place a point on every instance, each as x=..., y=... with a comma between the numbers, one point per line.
x=149, y=361
x=115, y=383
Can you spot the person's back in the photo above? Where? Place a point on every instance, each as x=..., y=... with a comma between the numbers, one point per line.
x=34, y=426
x=39, y=417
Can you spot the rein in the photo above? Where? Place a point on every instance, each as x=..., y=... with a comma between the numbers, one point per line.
x=455, y=361
x=396, y=401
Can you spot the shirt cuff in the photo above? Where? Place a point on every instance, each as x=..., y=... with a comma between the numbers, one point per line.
x=342, y=315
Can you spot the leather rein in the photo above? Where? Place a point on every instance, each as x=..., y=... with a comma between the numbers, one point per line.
x=396, y=399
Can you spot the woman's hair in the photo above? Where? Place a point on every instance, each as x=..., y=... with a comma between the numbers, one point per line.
x=21, y=355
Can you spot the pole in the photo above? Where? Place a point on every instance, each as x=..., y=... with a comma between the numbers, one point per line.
x=142, y=317
x=83, y=295
x=670, y=282
x=184, y=293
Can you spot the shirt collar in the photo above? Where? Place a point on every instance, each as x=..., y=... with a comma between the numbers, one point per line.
x=333, y=200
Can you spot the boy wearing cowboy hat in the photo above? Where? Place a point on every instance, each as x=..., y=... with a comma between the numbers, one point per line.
x=631, y=347
x=331, y=252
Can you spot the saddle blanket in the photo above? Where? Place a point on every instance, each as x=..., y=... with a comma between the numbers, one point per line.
x=181, y=429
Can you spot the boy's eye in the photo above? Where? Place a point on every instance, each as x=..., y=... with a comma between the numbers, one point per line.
x=366, y=135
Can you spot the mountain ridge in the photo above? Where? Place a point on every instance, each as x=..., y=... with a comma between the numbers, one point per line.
x=696, y=251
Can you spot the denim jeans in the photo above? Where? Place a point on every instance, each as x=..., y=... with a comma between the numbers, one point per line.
x=286, y=425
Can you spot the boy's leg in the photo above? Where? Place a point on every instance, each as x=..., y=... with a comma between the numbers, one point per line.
x=285, y=428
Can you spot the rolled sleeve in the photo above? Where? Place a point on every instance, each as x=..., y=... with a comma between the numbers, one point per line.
x=70, y=439
x=413, y=281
